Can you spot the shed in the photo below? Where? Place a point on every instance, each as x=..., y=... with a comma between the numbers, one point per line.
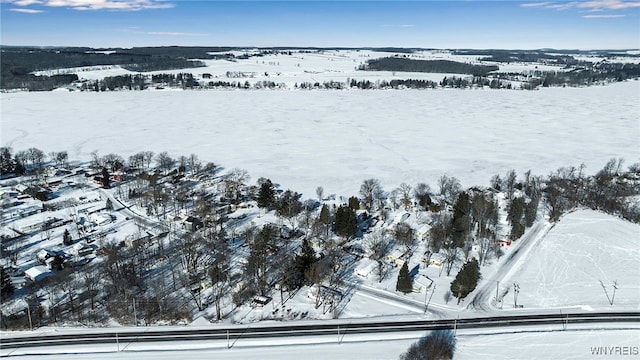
x=37, y=273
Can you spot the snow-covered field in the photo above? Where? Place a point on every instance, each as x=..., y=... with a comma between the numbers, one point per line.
x=585, y=248
x=336, y=139
x=328, y=65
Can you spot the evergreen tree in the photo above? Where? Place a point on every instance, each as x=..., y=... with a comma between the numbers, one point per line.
x=294, y=276
x=6, y=161
x=108, y=205
x=404, y=280
x=106, y=182
x=466, y=280
x=266, y=195
x=19, y=168
x=346, y=223
x=461, y=221
x=57, y=263
x=66, y=238
x=325, y=218
x=354, y=203
x=531, y=212
x=6, y=286
x=515, y=216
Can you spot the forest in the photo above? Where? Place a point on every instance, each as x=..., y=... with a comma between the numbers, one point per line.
x=431, y=66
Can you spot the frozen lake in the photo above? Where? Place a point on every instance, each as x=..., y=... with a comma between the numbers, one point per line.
x=336, y=139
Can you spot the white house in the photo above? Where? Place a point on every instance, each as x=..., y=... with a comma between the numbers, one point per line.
x=367, y=267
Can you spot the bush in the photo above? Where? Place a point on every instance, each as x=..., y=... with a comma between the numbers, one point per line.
x=438, y=345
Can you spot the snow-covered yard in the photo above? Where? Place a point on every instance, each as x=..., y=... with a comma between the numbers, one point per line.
x=585, y=251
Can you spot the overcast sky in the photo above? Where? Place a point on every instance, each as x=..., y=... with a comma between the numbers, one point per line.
x=599, y=24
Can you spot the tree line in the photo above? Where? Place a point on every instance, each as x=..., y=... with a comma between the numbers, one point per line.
x=430, y=66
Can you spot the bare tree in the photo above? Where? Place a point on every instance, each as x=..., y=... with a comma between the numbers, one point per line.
x=194, y=263
x=113, y=161
x=61, y=158
x=91, y=282
x=137, y=160
x=148, y=157
x=233, y=182
x=405, y=235
x=165, y=161
x=484, y=249
x=405, y=195
x=449, y=188
x=451, y=256
x=509, y=183
x=371, y=192
x=194, y=164
x=377, y=244
x=219, y=270
x=320, y=192
x=484, y=211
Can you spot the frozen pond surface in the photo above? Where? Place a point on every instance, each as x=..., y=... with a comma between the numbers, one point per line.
x=336, y=139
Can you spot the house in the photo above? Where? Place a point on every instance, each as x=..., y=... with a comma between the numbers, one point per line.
x=503, y=242
x=37, y=273
x=101, y=219
x=434, y=259
x=396, y=258
x=130, y=240
x=31, y=210
x=421, y=283
x=31, y=227
x=44, y=254
x=192, y=223
x=367, y=267
x=83, y=249
x=423, y=231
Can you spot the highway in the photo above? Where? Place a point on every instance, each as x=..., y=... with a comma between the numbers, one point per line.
x=258, y=331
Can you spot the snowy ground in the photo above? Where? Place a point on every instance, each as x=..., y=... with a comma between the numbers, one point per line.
x=336, y=139
x=584, y=248
x=579, y=342
x=328, y=65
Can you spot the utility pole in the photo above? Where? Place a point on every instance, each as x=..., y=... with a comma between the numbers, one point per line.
x=425, y=295
x=516, y=290
x=497, y=286
x=29, y=313
x=135, y=315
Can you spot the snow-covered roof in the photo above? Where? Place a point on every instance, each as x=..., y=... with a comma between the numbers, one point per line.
x=37, y=273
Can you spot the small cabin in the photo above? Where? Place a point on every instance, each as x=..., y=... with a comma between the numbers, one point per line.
x=260, y=301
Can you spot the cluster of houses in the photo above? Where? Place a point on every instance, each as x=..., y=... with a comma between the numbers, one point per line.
x=29, y=210
x=52, y=259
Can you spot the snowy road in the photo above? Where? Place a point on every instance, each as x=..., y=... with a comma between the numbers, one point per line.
x=481, y=297
x=222, y=338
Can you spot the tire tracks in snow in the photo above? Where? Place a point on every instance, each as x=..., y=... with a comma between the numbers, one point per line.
x=511, y=264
